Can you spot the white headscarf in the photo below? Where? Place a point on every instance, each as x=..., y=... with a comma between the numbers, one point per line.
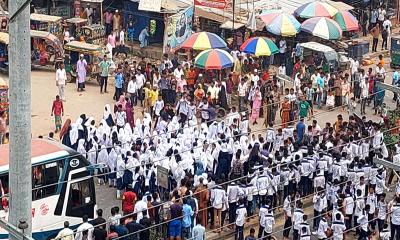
x=92, y=155
x=112, y=159
x=81, y=147
x=73, y=134
x=103, y=156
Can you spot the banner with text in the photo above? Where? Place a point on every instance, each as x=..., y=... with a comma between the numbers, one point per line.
x=178, y=29
x=220, y=4
x=150, y=5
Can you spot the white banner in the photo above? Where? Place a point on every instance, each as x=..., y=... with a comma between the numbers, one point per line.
x=150, y=5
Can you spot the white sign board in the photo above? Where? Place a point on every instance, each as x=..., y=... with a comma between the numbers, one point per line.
x=150, y=5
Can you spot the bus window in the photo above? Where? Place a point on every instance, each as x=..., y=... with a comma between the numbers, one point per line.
x=47, y=175
x=80, y=197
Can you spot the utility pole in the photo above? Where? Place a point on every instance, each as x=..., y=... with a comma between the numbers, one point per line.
x=20, y=176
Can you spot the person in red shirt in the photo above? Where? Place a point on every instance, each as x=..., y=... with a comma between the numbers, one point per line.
x=128, y=200
x=57, y=110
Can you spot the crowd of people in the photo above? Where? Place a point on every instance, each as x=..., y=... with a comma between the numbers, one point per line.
x=278, y=167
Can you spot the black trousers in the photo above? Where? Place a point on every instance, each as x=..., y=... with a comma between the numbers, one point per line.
x=374, y=44
x=394, y=231
x=103, y=83
x=286, y=227
x=232, y=212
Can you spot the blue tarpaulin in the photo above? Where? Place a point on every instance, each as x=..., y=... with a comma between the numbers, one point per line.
x=142, y=19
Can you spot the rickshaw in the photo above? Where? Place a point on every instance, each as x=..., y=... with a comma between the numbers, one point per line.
x=330, y=59
x=47, y=49
x=75, y=25
x=91, y=54
x=93, y=33
x=52, y=24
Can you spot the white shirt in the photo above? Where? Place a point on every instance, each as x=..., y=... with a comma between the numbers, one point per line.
x=381, y=14
x=83, y=227
x=140, y=206
x=338, y=228
x=140, y=79
x=218, y=197
x=395, y=210
x=323, y=226
x=65, y=234
x=387, y=23
x=242, y=88
x=241, y=213
x=282, y=46
x=122, y=37
x=131, y=87
x=120, y=116
x=178, y=74
x=269, y=223
x=61, y=76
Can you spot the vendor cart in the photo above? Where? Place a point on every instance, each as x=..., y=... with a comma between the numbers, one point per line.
x=48, y=23
x=395, y=52
x=91, y=53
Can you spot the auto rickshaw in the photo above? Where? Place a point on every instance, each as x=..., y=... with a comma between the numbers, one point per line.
x=74, y=25
x=91, y=54
x=327, y=57
x=395, y=52
x=93, y=33
x=48, y=23
x=47, y=49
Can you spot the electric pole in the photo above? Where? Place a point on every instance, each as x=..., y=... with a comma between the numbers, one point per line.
x=20, y=176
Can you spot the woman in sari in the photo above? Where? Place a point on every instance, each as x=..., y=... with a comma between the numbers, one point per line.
x=255, y=112
x=285, y=112
x=64, y=133
x=129, y=114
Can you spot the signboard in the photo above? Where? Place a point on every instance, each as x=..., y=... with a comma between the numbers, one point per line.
x=178, y=29
x=60, y=11
x=150, y=5
x=41, y=10
x=388, y=87
x=162, y=177
x=220, y=4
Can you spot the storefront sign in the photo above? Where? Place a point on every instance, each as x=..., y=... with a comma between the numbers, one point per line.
x=178, y=29
x=150, y=5
x=220, y=4
x=41, y=10
x=63, y=11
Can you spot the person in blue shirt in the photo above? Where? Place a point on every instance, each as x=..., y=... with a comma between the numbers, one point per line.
x=300, y=128
x=119, y=84
x=187, y=219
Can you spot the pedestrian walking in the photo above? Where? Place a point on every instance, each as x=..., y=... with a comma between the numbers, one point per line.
x=66, y=233
x=81, y=66
x=61, y=80
x=375, y=37
x=104, y=68
x=57, y=110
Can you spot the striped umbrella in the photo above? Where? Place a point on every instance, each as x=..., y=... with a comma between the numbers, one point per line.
x=259, y=46
x=203, y=41
x=322, y=27
x=315, y=9
x=213, y=59
x=346, y=21
x=280, y=23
